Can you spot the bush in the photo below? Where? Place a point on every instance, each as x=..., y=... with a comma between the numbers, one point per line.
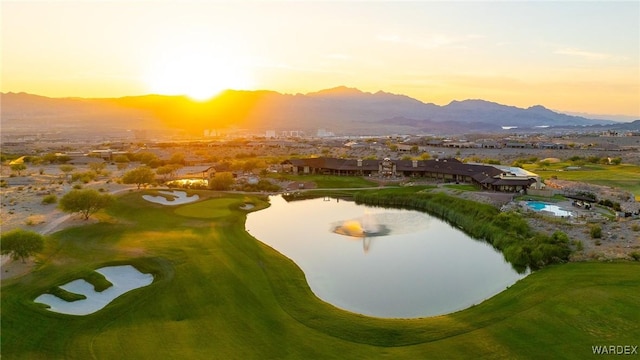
x=578, y=244
x=595, y=231
x=33, y=220
x=85, y=177
x=50, y=199
x=635, y=255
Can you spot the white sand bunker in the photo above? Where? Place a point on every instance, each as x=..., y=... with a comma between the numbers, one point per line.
x=177, y=198
x=124, y=279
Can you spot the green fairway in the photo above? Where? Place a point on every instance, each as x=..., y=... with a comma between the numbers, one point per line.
x=219, y=293
x=624, y=176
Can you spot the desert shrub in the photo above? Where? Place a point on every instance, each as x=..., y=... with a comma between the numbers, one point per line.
x=593, y=159
x=50, y=199
x=635, y=255
x=84, y=177
x=578, y=244
x=34, y=220
x=635, y=227
x=595, y=231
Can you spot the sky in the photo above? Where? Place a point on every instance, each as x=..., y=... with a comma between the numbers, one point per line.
x=571, y=56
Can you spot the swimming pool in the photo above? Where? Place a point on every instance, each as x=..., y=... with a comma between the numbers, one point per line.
x=542, y=206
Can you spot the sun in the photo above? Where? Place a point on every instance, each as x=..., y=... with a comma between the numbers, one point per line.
x=196, y=74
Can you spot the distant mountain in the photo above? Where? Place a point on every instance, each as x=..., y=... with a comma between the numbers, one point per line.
x=621, y=118
x=342, y=110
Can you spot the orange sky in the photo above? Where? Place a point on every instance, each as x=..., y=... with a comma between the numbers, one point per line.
x=569, y=56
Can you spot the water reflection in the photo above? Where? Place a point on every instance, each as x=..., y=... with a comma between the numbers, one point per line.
x=189, y=183
x=365, y=227
x=420, y=266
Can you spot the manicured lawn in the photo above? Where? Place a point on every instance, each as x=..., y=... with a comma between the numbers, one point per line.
x=624, y=176
x=209, y=209
x=333, y=182
x=221, y=294
x=462, y=187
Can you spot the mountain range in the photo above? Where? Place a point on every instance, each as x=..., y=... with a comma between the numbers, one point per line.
x=341, y=110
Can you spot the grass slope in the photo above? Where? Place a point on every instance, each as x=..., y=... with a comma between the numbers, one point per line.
x=220, y=294
x=331, y=181
x=623, y=176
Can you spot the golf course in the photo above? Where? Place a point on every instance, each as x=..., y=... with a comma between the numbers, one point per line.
x=219, y=293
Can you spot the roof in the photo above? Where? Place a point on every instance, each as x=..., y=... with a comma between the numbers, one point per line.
x=444, y=166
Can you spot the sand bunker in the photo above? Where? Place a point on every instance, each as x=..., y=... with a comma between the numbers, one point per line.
x=124, y=279
x=247, y=206
x=178, y=198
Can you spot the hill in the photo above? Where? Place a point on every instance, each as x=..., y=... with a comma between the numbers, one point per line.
x=342, y=110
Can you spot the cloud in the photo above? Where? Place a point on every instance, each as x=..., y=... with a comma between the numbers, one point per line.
x=338, y=56
x=587, y=54
x=430, y=42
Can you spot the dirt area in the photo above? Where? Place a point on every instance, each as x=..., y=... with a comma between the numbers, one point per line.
x=21, y=206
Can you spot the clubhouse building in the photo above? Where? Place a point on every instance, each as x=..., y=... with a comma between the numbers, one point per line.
x=487, y=177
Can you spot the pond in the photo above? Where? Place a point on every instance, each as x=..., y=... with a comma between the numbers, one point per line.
x=381, y=262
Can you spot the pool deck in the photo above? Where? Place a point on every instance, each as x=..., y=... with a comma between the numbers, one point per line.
x=579, y=212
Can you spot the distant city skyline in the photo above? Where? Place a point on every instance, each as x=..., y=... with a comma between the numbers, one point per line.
x=581, y=57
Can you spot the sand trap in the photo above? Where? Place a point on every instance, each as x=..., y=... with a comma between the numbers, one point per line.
x=179, y=197
x=247, y=206
x=124, y=279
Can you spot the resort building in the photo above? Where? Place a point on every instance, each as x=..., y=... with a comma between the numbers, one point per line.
x=446, y=170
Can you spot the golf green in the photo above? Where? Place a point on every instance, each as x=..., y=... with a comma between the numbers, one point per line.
x=218, y=293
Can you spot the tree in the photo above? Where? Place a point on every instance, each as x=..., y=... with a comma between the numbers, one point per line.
x=221, y=181
x=139, y=176
x=148, y=158
x=66, y=168
x=50, y=158
x=177, y=158
x=168, y=171
x=85, y=202
x=21, y=244
x=97, y=166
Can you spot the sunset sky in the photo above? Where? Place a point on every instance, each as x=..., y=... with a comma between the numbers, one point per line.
x=568, y=56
